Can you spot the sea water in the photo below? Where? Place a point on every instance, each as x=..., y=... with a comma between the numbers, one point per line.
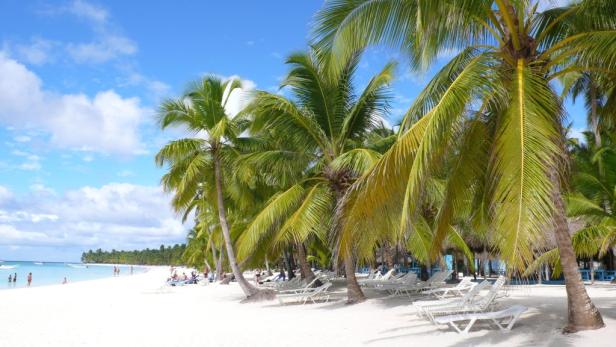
x=46, y=273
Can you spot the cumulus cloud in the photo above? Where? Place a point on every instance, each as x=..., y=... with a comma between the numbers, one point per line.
x=107, y=44
x=116, y=215
x=105, y=123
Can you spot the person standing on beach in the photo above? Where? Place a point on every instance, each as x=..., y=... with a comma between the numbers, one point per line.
x=29, y=279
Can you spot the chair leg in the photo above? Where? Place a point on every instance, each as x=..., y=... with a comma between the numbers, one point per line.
x=470, y=325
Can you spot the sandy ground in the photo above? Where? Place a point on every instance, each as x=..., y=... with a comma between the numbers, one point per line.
x=129, y=311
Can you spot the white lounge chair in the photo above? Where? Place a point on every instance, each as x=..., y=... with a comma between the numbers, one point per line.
x=504, y=319
x=306, y=288
x=295, y=282
x=463, y=286
x=475, y=306
x=437, y=280
x=315, y=295
x=377, y=279
x=398, y=286
x=422, y=306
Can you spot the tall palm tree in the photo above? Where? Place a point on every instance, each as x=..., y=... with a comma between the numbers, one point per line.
x=199, y=163
x=327, y=123
x=591, y=201
x=498, y=85
x=596, y=90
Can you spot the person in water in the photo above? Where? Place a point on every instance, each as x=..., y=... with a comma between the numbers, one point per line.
x=15, y=278
x=29, y=279
x=64, y=281
x=10, y=278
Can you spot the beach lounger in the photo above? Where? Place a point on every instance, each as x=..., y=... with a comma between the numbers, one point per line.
x=504, y=319
x=437, y=280
x=399, y=286
x=468, y=297
x=476, y=306
x=465, y=285
x=306, y=288
x=377, y=280
x=314, y=295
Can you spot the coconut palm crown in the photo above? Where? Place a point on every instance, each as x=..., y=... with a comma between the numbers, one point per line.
x=328, y=123
x=498, y=91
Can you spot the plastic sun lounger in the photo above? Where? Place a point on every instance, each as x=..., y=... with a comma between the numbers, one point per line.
x=477, y=306
x=464, y=285
x=314, y=295
x=399, y=286
x=378, y=280
x=307, y=288
x=421, y=306
x=504, y=319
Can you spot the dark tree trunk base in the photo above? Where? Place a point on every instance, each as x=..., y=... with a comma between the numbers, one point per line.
x=354, y=301
x=260, y=295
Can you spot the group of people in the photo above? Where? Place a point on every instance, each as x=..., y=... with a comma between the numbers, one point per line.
x=116, y=271
x=184, y=279
x=13, y=279
x=282, y=276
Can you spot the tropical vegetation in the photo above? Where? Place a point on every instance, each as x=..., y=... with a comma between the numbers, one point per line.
x=480, y=161
x=169, y=255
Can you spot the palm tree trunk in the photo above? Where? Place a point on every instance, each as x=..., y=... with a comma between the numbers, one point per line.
x=304, y=267
x=594, y=117
x=219, y=265
x=582, y=313
x=354, y=292
x=247, y=288
x=287, y=261
x=267, y=267
x=592, y=271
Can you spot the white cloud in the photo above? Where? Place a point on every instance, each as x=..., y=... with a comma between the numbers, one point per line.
x=577, y=133
x=105, y=123
x=22, y=138
x=547, y=4
x=88, y=11
x=239, y=98
x=31, y=163
x=108, y=42
x=116, y=215
x=38, y=51
x=107, y=48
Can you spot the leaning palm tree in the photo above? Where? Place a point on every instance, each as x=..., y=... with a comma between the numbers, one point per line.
x=327, y=123
x=498, y=86
x=198, y=163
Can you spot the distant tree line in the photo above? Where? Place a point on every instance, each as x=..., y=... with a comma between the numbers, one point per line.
x=170, y=255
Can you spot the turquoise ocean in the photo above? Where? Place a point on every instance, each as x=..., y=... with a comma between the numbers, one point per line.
x=46, y=273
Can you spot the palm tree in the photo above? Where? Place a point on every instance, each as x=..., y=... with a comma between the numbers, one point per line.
x=198, y=163
x=592, y=201
x=597, y=89
x=326, y=123
x=497, y=85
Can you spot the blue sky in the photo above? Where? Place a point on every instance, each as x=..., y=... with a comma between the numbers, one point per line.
x=80, y=83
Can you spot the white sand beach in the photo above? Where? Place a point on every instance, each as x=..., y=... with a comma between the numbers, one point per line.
x=129, y=311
